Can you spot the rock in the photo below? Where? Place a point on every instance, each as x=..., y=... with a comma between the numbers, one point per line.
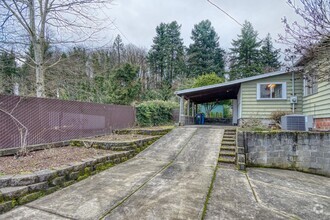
x=45, y=175
x=5, y=207
x=5, y=180
x=23, y=180
x=38, y=186
x=14, y=192
x=74, y=175
x=58, y=181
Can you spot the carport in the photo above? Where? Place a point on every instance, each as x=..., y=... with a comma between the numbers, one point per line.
x=207, y=94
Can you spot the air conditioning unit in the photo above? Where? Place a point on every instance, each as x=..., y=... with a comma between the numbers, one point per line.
x=297, y=122
x=293, y=100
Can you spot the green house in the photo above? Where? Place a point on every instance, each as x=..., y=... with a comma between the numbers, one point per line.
x=259, y=96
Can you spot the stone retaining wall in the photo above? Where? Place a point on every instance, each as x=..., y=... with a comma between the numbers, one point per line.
x=136, y=145
x=20, y=189
x=303, y=151
x=142, y=131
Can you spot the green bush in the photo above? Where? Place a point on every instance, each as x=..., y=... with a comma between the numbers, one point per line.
x=153, y=113
x=227, y=111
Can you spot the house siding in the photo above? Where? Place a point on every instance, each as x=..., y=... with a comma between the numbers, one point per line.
x=253, y=108
x=318, y=104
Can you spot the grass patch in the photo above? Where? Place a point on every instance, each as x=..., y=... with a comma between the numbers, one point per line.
x=209, y=192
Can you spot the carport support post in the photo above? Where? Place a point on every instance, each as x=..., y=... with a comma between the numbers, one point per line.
x=193, y=113
x=181, y=116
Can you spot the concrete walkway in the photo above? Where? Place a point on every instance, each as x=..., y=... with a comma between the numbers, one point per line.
x=268, y=194
x=169, y=180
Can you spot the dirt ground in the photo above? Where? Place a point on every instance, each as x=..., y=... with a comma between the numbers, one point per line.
x=153, y=128
x=120, y=137
x=47, y=159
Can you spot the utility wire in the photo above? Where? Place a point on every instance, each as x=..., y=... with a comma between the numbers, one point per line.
x=237, y=22
x=226, y=13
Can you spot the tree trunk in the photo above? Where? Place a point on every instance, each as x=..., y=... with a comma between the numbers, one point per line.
x=1, y=84
x=16, y=88
x=40, y=75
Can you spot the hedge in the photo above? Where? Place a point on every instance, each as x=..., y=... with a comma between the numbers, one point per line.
x=153, y=113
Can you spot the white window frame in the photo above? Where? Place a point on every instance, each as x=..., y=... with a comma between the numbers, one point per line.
x=284, y=91
x=309, y=83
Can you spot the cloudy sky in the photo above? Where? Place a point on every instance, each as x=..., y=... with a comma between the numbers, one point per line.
x=137, y=19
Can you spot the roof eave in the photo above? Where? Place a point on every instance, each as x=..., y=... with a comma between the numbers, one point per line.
x=238, y=81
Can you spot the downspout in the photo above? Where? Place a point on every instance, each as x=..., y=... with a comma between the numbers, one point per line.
x=293, y=92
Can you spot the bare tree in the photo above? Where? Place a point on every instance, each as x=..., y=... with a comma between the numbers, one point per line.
x=310, y=39
x=25, y=23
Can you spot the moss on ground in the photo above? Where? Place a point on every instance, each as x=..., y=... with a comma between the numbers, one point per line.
x=30, y=197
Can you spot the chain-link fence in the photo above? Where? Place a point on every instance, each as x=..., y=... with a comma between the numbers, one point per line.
x=30, y=121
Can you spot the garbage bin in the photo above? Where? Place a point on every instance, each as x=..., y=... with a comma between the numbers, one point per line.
x=200, y=119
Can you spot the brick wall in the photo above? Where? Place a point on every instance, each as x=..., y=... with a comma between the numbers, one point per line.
x=304, y=151
x=322, y=123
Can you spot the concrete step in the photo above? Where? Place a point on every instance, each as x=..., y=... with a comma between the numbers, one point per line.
x=229, y=136
x=227, y=153
x=226, y=159
x=229, y=139
x=230, y=148
x=230, y=133
x=229, y=143
x=231, y=129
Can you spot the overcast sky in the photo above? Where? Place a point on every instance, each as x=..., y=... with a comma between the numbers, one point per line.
x=137, y=19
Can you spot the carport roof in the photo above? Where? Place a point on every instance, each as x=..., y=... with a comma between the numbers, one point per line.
x=222, y=91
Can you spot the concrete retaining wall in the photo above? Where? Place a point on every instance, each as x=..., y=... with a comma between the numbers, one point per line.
x=303, y=151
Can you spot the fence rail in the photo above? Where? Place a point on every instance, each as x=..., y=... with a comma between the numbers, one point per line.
x=52, y=120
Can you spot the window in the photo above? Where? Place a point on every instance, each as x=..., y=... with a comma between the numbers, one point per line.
x=271, y=91
x=311, y=85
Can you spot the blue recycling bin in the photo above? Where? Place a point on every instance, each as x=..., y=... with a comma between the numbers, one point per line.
x=200, y=119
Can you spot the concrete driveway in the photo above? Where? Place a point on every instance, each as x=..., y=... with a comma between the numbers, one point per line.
x=171, y=180
x=262, y=193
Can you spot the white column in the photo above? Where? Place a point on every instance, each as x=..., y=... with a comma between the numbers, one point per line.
x=188, y=107
x=193, y=109
x=181, y=114
x=235, y=111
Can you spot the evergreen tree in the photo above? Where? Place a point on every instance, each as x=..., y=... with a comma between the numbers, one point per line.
x=118, y=46
x=175, y=58
x=245, y=54
x=157, y=54
x=204, y=54
x=8, y=72
x=269, y=55
x=166, y=56
x=125, y=85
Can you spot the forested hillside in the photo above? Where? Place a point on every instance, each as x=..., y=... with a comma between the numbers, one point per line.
x=122, y=73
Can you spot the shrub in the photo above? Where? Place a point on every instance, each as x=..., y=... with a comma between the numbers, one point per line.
x=227, y=111
x=254, y=124
x=153, y=113
x=276, y=116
